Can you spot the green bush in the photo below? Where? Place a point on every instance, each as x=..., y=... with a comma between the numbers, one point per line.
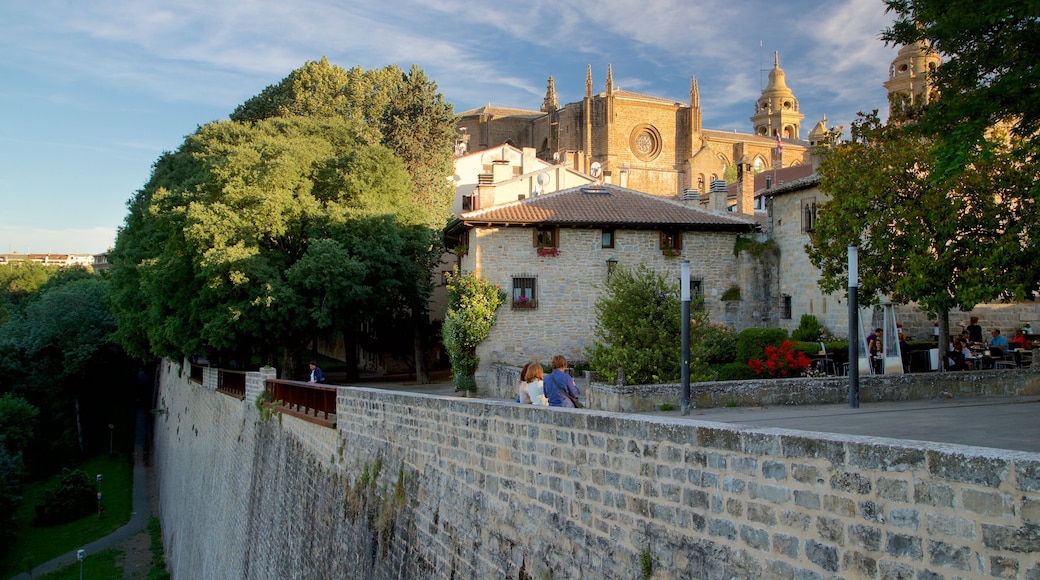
x=752, y=342
x=713, y=343
x=809, y=329
x=472, y=310
x=72, y=498
x=734, y=371
x=638, y=328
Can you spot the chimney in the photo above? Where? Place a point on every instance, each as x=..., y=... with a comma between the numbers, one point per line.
x=746, y=197
x=717, y=196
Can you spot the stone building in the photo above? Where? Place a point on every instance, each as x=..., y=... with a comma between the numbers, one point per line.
x=645, y=143
x=551, y=253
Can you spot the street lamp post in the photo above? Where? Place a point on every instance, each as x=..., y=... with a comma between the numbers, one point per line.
x=684, y=285
x=854, y=326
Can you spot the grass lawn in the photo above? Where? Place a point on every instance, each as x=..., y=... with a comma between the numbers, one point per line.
x=35, y=545
x=101, y=566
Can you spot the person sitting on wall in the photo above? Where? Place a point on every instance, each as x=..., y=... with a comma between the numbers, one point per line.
x=316, y=375
x=522, y=395
x=560, y=389
x=535, y=388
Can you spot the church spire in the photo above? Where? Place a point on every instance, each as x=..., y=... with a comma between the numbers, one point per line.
x=695, y=106
x=588, y=82
x=610, y=79
x=550, y=103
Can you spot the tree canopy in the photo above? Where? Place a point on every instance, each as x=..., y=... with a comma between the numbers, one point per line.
x=944, y=242
x=259, y=234
x=400, y=110
x=988, y=76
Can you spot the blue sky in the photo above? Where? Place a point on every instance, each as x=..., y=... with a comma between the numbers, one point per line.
x=91, y=93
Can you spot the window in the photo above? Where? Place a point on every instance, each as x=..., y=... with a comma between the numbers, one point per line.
x=671, y=242
x=524, y=296
x=695, y=290
x=470, y=202
x=546, y=238
x=808, y=214
x=785, y=307
x=607, y=239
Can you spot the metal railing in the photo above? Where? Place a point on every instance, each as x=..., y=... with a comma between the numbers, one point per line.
x=308, y=401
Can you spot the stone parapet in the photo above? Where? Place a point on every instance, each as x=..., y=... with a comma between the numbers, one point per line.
x=418, y=486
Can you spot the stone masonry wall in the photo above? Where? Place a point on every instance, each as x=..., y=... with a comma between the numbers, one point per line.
x=569, y=285
x=417, y=486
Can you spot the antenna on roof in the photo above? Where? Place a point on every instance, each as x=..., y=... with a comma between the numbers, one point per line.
x=596, y=169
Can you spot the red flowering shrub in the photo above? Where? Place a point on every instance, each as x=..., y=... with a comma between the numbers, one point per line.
x=780, y=362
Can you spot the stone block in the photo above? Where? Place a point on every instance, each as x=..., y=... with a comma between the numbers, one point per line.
x=904, y=546
x=822, y=555
x=966, y=468
x=893, y=489
x=987, y=503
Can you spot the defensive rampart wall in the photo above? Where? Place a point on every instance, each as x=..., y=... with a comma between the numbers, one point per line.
x=417, y=486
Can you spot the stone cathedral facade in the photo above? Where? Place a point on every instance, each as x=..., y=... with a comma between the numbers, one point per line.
x=643, y=142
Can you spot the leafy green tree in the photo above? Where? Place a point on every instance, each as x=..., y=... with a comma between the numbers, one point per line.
x=261, y=234
x=988, y=74
x=49, y=350
x=400, y=110
x=17, y=418
x=639, y=330
x=19, y=281
x=941, y=241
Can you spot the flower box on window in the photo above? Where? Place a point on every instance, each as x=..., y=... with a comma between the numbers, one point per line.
x=671, y=252
x=548, y=252
x=524, y=302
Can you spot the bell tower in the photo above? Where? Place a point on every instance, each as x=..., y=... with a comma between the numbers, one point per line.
x=908, y=85
x=776, y=112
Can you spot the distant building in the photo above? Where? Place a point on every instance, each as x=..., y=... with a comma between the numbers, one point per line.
x=85, y=260
x=643, y=142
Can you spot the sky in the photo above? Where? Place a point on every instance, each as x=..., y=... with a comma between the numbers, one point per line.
x=91, y=93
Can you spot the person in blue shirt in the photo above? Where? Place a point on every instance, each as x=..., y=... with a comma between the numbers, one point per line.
x=558, y=384
x=998, y=340
x=316, y=375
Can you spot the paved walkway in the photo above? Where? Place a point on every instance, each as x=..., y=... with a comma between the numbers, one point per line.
x=139, y=515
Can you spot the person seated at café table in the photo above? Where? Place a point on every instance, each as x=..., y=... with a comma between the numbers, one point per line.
x=1019, y=340
x=998, y=340
x=959, y=358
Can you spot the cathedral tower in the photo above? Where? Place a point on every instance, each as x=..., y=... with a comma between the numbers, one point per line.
x=908, y=85
x=776, y=112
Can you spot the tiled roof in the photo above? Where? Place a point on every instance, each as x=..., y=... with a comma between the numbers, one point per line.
x=605, y=205
x=796, y=185
x=501, y=112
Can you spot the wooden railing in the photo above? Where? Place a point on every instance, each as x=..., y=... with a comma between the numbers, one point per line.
x=232, y=383
x=308, y=401
x=196, y=373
